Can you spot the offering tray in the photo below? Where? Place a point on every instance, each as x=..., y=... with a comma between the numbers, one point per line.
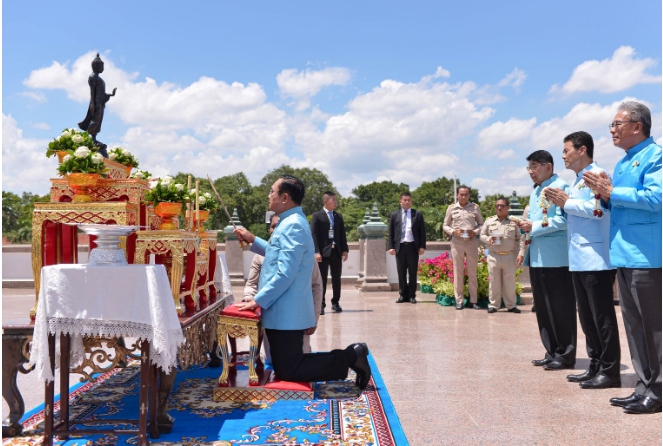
x=107, y=251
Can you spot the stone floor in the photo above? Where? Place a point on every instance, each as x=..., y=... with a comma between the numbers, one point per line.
x=460, y=377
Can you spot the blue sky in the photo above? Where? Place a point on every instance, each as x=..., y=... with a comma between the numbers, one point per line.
x=363, y=91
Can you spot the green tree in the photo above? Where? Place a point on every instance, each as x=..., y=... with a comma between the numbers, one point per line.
x=488, y=204
x=353, y=212
x=434, y=193
x=317, y=183
x=17, y=215
x=385, y=193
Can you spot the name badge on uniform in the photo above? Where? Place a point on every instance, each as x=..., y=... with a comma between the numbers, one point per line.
x=331, y=234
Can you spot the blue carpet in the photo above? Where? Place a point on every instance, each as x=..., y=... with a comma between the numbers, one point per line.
x=338, y=415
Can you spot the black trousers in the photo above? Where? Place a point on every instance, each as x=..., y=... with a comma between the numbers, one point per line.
x=555, y=312
x=335, y=263
x=292, y=364
x=596, y=311
x=407, y=261
x=640, y=299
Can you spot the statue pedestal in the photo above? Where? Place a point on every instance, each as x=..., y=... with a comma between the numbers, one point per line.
x=235, y=261
x=375, y=264
x=234, y=252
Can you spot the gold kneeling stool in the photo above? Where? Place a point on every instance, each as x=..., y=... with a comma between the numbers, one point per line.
x=233, y=324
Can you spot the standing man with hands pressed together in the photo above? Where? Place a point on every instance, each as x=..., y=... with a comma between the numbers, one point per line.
x=463, y=222
x=331, y=247
x=634, y=199
x=548, y=259
x=589, y=263
x=407, y=241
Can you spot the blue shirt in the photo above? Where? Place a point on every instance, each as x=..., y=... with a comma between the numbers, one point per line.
x=635, y=204
x=549, y=245
x=589, y=234
x=285, y=294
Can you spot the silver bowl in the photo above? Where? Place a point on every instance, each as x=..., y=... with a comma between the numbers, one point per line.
x=107, y=251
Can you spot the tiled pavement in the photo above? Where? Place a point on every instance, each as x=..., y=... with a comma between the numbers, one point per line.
x=460, y=377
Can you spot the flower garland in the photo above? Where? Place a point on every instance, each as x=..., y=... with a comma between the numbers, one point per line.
x=598, y=212
x=528, y=239
x=544, y=204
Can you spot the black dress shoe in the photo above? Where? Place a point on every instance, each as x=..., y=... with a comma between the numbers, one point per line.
x=623, y=402
x=492, y=310
x=585, y=376
x=336, y=308
x=474, y=306
x=533, y=309
x=361, y=366
x=459, y=306
x=413, y=300
x=556, y=365
x=601, y=381
x=645, y=405
x=402, y=299
x=541, y=362
x=513, y=310
x=322, y=311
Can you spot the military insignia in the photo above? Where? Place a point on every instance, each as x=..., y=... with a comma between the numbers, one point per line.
x=635, y=164
x=581, y=184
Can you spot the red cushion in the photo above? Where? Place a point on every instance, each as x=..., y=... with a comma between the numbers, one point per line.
x=275, y=383
x=233, y=311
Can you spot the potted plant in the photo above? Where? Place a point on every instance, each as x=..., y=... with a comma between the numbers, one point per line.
x=124, y=157
x=70, y=139
x=167, y=197
x=205, y=204
x=82, y=168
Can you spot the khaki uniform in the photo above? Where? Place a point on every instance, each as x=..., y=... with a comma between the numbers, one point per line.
x=466, y=218
x=502, y=260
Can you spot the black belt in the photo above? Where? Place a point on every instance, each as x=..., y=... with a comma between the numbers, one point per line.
x=406, y=243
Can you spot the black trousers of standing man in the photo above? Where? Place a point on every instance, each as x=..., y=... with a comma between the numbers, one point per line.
x=596, y=311
x=334, y=263
x=407, y=262
x=555, y=312
x=640, y=298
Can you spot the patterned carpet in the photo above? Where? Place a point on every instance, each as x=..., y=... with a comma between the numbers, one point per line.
x=338, y=415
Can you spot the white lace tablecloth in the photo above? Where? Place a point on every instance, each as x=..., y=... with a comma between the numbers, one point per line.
x=126, y=300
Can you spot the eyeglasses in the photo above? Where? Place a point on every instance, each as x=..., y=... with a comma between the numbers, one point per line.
x=534, y=166
x=617, y=124
x=501, y=205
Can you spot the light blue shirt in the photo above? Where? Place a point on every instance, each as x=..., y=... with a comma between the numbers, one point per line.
x=549, y=245
x=635, y=204
x=589, y=234
x=285, y=294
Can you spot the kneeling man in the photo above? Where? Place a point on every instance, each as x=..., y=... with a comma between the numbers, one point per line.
x=286, y=299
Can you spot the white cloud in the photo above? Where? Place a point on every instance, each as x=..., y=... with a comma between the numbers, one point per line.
x=303, y=85
x=491, y=94
x=58, y=76
x=514, y=79
x=505, y=133
x=506, y=180
x=36, y=96
x=396, y=128
x=24, y=164
x=439, y=72
x=620, y=72
x=41, y=126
